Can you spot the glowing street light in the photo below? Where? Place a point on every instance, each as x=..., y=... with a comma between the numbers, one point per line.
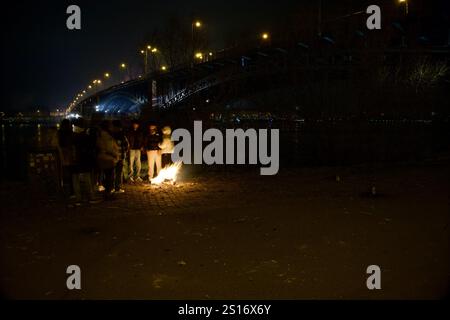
x=124, y=66
x=405, y=2
x=145, y=53
x=195, y=25
x=265, y=36
x=163, y=68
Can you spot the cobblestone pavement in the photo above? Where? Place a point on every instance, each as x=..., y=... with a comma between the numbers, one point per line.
x=304, y=233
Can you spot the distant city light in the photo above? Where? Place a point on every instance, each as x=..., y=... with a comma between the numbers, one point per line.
x=73, y=115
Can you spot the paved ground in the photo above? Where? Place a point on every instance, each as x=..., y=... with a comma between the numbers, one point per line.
x=234, y=234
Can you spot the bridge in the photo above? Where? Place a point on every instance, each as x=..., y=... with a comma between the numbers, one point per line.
x=234, y=77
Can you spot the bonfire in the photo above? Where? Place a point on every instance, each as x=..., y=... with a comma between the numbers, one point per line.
x=168, y=174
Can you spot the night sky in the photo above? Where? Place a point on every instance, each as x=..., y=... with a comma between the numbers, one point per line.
x=44, y=64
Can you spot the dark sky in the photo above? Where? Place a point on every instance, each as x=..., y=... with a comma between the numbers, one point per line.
x=44, y=64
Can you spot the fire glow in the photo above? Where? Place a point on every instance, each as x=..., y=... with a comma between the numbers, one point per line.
x=168, y=173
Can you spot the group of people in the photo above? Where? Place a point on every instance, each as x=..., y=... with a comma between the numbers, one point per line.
x=94, y=156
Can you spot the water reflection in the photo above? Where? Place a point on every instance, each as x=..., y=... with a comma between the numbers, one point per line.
x=17, y=140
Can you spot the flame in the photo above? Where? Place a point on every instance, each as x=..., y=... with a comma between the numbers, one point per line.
x=169, y=172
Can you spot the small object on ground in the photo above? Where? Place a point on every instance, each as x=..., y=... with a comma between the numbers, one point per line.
x=373, y=191
x=95, y=200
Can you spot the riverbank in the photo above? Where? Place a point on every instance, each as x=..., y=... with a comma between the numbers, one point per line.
x=232, y=234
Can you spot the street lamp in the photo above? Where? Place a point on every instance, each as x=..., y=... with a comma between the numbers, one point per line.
x=107, y=75
x=195, y=25
x=265, y=36
x=163, y=68
x=406, y=5
x=145, y=53
x=199, y=56
x=124, y=66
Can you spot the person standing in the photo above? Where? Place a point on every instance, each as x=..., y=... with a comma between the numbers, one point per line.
x=166, y=146
x=123, y=144
x=135, y=140
x=151, y=145
x=84, y=163
x=108, y=155
x=66, y=148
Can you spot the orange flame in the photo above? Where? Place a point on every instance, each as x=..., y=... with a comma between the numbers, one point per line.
x=169, y=173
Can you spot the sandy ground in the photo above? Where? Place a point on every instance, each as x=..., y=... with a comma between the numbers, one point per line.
x=236, y=235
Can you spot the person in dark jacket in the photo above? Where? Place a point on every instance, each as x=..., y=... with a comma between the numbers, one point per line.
x=135, y=140
x=66, y=150
x=122, y=141
x=151, y=145
x=108, y=154
x=84, y=162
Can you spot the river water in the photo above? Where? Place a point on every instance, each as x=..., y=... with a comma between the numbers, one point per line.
x=301, y=143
